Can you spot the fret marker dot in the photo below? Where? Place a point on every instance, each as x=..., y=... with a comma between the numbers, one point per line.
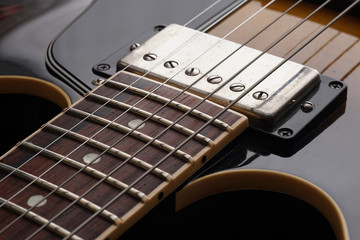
x=33, y=200
x=89, y=158
x=135, y=123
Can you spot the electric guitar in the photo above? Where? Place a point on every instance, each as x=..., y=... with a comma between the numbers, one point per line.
x=119, y=160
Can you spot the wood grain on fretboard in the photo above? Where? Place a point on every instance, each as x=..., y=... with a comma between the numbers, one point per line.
x=52, y=159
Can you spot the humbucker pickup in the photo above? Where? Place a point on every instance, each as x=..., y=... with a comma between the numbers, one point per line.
x=226, y=71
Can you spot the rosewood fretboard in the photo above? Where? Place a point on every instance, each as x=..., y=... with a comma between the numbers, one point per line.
x=100, y=167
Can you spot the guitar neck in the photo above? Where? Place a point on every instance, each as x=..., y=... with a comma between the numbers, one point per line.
x=100, y=168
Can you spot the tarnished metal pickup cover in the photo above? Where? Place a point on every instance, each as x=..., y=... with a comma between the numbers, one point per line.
x=183, y=57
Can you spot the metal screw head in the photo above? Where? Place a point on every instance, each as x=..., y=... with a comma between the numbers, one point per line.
x=149, y=57
x=237, y=87
x=335, y=85
x=307, y=106
x=214, y=79
x=260, y=95
x=97, y=82
x=171, y=64
x=192, y=71
x=134, y=46
x=285, y=132
x=103, y=67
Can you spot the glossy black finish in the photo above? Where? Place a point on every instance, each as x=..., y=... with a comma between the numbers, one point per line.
x=255, y=215
x=300, y=126
x=25, y=36
x=25, y=33
x=330, y=160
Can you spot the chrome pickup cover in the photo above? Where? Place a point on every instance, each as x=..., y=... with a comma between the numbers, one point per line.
x=183, y=57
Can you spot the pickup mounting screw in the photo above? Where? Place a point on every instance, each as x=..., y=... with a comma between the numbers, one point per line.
x=214, y=79
x=335, y=85
x=103, y=67
x=260, y=95
x=307, y=106
x=134, y=46
x=192, y=71
x=171, y=64
x=237, y=87
x=285, y=132
x=149, y=57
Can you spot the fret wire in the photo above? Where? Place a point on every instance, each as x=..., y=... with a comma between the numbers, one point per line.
x=136, y=161
x=89, y=170
x=154, y=117
x=237, y=99
x=125, y=68
x=165, y=100
x=111, y=217
x=53, y=227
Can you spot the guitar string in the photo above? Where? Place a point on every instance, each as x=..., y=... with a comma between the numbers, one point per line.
x=226, y=108
x=70, y=129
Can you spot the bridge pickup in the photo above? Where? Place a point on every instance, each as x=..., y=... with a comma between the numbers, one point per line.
x=207, y=64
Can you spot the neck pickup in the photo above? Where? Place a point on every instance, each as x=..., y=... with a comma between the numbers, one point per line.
x=260, y=85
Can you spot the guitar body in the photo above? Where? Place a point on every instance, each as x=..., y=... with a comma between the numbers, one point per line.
x=330, y=160
x=247, y=190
